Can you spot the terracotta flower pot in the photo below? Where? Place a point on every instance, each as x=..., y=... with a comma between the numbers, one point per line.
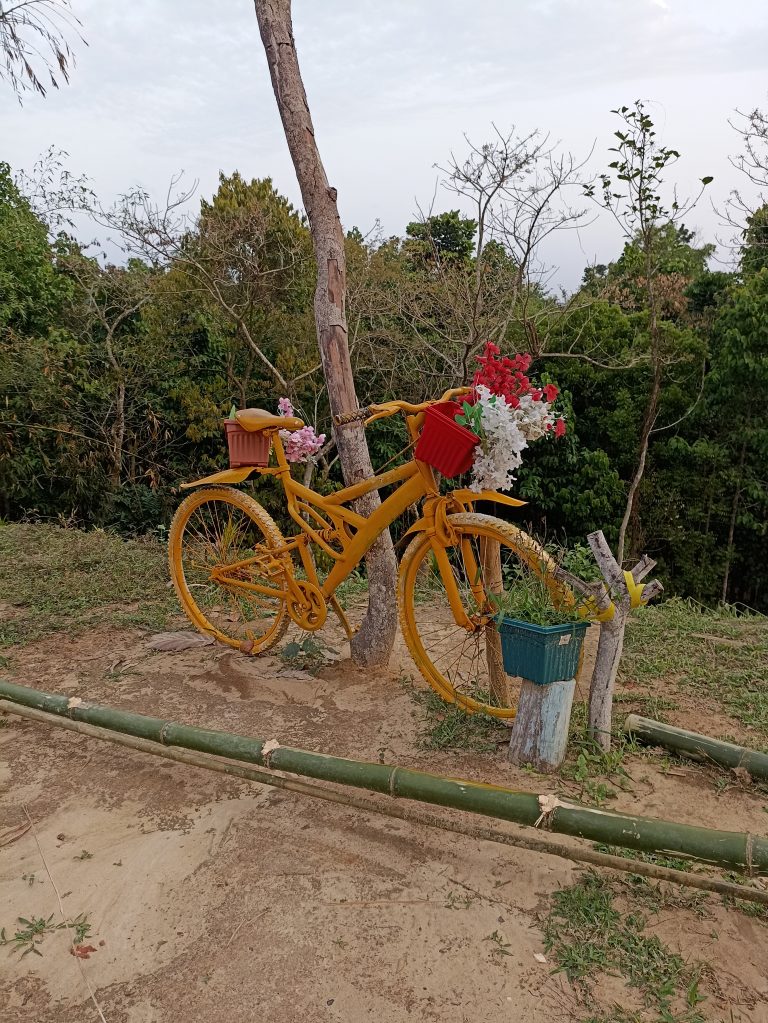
x=444, y=444
x=246, y=447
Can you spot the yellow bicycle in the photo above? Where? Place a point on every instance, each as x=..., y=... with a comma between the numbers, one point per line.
x=240, y=580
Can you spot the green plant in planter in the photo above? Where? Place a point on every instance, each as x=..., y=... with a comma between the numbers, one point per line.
x=527, y=599
x=539, y=641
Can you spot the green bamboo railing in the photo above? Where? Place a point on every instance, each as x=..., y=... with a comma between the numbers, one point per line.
x=696, y=746
x=732, y=850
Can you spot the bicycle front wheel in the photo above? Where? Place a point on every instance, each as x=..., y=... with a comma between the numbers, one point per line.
x=462, y=662
x=228, y=580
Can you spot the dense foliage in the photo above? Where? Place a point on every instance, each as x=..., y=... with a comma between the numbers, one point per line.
x=114, y=378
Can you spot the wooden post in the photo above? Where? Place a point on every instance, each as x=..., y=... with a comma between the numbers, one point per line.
x=493, y=582
x=540, y=730
x=613, y=590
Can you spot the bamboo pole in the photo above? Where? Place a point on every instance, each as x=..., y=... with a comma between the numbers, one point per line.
x=410, y=815
x=697, y=746
x=733, y=850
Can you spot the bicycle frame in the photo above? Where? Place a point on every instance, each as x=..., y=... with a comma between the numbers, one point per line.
x=346, y=536
x=336, y=529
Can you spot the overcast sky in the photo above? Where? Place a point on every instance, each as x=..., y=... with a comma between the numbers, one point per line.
x=170, y=85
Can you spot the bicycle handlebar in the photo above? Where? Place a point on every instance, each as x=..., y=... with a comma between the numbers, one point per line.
x=371, y=413
x=351, y=417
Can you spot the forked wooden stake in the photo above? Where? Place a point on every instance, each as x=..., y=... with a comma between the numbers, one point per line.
x=614, y=588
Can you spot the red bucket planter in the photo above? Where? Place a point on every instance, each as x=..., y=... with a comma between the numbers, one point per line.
x=444, y=444
x=246, y=447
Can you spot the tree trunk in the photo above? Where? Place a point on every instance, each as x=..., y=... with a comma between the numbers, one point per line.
x=373, y=643
x=645, y=437
x=118, y=434
x=613, y=589
x=732, y=523
x=653, y=399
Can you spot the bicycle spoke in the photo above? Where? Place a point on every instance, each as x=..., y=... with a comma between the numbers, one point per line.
x=219, y=532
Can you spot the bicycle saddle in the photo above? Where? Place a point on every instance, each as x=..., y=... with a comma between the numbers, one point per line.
x=253, y=419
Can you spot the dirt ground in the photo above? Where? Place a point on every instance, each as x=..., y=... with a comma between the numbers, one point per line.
x=212, y=899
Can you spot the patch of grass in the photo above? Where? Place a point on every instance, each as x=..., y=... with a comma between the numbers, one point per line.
x=445, y=726
x=68, y=579
x=720, y=654
x=594, y=770
x=750, y=909
x=82, y=928
x=459, y=900
x=646, y=704
x=588, y=935
x=587, y=764
x=353, y=587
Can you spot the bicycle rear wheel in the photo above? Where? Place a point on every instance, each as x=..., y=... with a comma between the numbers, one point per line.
x=464, y=665
x=214, y=530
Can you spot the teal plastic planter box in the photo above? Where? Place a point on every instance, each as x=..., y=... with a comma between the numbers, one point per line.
x=541, y=653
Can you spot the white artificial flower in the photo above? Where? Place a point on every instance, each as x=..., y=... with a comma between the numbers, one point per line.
x=507, y=432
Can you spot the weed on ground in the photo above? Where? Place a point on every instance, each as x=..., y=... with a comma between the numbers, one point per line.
x=30, y=932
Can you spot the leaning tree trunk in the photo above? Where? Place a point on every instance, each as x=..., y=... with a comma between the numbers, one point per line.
x=373, y=643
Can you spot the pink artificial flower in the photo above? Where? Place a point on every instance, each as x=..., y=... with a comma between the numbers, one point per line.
x=301, y=444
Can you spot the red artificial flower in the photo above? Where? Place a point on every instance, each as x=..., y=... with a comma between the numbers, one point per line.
x=503, y=376
x=560, y=428
x=551, y=392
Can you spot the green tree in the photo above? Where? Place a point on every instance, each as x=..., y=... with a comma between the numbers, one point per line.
x=445, y=234
x=633, y=193
x=739, y=383
x=754, y=248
